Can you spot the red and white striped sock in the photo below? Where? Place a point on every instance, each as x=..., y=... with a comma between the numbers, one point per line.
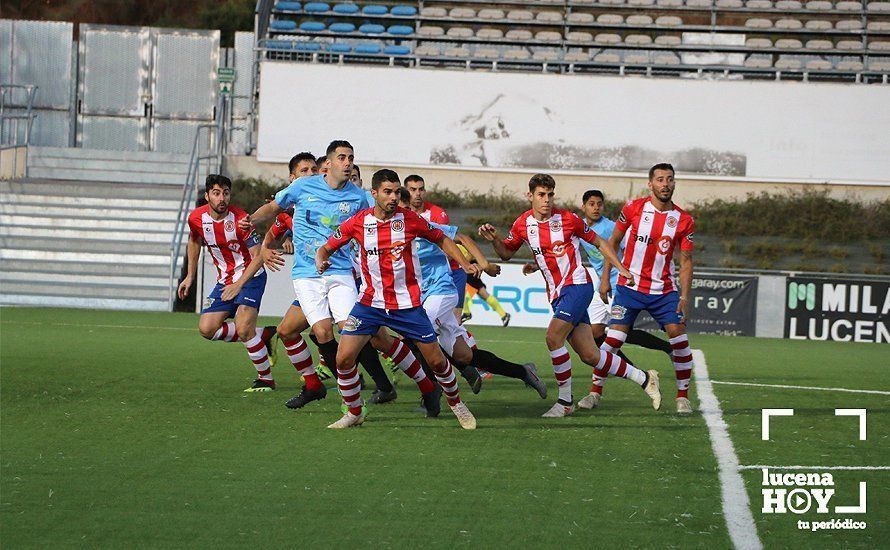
x=681, y=357
x=562, y=369
x=226, y=332
x=616, y=366
x=613, y=342
x=256, y=349
x=350, y=388
x=448, y=382
x=402, y=356
x=298, y=353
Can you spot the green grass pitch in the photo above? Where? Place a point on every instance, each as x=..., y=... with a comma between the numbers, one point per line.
x=122, y=429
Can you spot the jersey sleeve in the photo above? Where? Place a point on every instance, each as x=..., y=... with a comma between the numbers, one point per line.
x=686, y=238
x=582, y=231
x=515, y=236
x=283, y=224
x=443, y=218
x=625, y=218
x=344, y=233
x=287, y=197
x=195, y=227
x=422, y=228
x=249, y=236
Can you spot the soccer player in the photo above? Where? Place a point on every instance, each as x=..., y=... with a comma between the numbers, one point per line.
x=436, y=214
x=439, y=295
x=390, y=293
x=234, y=251
x=553, y=234
x=657, y=227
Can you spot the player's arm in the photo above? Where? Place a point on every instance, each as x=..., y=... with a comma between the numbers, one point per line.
x=338, y=240
x=606, y=276
x=491, y=269
x=268, y=253
x=265, y=212
x=450, y=248
x=502, y=249
x=192, y=250
x=686, y=267
x=610, y=256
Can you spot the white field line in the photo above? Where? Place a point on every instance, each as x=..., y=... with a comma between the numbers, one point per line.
x=782, y=386
x=136, y=327
x=852, y=468
x=736, y=506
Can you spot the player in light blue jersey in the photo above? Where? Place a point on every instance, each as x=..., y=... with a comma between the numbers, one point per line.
x=440, y=296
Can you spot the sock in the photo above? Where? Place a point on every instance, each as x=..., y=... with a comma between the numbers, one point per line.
x=648, y=340
x=468, y=301
x=424, y=366
x=298, y=353
x=226, y=332
x=599, y=376
x=681, y=357
x=448, y=382
x=613, y=365
x=350, y=388
x=484, y=359
x=328, y=351
x=562, y=369
x=495, y=305
x=408, y=363
x=371, y=363
x=256, y=349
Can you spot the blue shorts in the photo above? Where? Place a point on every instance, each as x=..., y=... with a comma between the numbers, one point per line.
x=628, y=303
x=571, y=305
x=411, y=323
x=459, y=276
x=251, y=296
x=296, y=303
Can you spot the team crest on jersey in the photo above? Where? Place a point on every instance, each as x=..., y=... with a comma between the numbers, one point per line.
x=671, y=221
x=558, y=248
x=664, y=244
x=398, y=225
x=555, y=225
x=343, y=208
x=351, y=324
x=396, y=250
x=230, y=226
x=618, y=312
x=208, y=301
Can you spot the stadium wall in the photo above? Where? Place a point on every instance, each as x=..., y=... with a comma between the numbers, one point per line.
x=763, y=131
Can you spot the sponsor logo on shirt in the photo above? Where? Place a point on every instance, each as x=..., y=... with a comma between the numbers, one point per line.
x=558, y=248
x=647, y=218
x=621, y=218
x=532, y=231
x=689, y=237
x=337, y=234
x=370, y=229
x=664, y=244
x=396, y=251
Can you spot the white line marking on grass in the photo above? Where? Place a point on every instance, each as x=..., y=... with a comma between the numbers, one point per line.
x=736, y=507
x=782, y=386
x=856, y=468
x=138, y=327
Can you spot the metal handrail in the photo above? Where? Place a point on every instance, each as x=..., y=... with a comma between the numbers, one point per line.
x=216, y=137
x=6, y=101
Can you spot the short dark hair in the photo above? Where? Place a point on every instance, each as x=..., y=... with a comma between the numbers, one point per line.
x=357, y=169
x=660, y=166
x=541, y=180
x=297, y=159
x=404, y=195
x=592, y=193
x=381, y=176
x=413, y=177
x=320, y=160
x=338, y=143
x=216, y=179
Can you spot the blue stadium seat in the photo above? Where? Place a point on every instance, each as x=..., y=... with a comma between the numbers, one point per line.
x=288, y=6
x=279, y=44
x=342, y=27
x=397, y=50
x=338, y=47
x=400, y=30
x=403, y=10
x=307, y=46
x=371, y=28
x=375, y=9
x=347, y=9
x=368, y=48
x=312, y=26
x=316, y=7
x=283, y=25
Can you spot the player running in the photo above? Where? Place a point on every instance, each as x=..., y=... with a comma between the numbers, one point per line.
x=657, y=228
x=238, y=292
x=390, y=293
x=553, y=235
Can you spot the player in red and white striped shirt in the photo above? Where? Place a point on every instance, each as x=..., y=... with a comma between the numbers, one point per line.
x=554, y=234
x=390, y=295
x=241, y=279
x=654, y=228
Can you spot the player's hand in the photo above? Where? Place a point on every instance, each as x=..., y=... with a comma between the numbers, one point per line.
x=605, y=290
x=184, y=288
x=288, y=247
x=683, y=309
x=629, y=276
x=230, y=292
x=473, y=270
x=272, y=259
x=244, y=224
x=529, y=268
x=488, y=232
x=322, y=266
x=492, y=269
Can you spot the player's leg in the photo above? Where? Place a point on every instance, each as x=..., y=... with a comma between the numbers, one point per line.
x=664, y=311
x=459, y=278
x=557, y=333
x=465, y=348
x=599, y=315
x=290, y=327
x=404, y=359
x=313, y=298
x=245, y=323
x=347, y=378
x=448, y=381
x=648, y=340
x=469, y=293
x=494, y=304
x=438, y=309
x=214, y=326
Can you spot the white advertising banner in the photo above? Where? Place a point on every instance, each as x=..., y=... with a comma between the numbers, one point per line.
x=576, y=122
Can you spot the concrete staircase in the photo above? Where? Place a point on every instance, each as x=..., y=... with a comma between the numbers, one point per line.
x=90, y=229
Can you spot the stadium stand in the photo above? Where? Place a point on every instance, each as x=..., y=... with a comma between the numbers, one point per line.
x=811, y=40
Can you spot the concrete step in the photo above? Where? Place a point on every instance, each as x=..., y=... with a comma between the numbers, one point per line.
x=7, y=277
x=161, y=167
x=85, y=290
x=115, y=269
x=72, y=205
x=61, y=189
x=119, y=304
x=74, y=173
x=99, y=246
x=125, y=227
x=82, y=153
x=135, y=257
x=73, y=212
x=138, y=239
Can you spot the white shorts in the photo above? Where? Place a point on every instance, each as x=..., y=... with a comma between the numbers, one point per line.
x=598, y=311
x=440, y=310
x=326, y=297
